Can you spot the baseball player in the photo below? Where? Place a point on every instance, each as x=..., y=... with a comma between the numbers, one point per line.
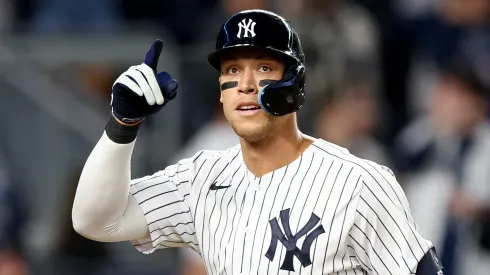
x=279, y=202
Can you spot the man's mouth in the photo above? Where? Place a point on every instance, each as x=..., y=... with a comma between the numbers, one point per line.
x=249, y=108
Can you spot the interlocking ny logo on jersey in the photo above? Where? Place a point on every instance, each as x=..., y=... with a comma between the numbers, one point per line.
x=247, y=28
x=289, y=240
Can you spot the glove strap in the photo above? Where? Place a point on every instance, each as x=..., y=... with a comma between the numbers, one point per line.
x=125, y=119
x=119, y=133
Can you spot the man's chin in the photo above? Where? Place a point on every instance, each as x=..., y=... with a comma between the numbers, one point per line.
x=250, y=133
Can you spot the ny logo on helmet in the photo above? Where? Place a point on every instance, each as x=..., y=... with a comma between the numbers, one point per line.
x=247, y=28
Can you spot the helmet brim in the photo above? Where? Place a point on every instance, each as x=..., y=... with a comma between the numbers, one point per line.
x=214, y=58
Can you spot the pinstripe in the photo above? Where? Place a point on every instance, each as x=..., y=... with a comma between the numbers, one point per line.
x=311, y=187
x=258, y=220
x=165, y=205
x=372, y=247
x=167, y=217
x=331, y=223
x=270, y=216
x=295, y=199
x=362, y=209
x=157, y=195
x=150, y=186
x=211, y=214
x=197, y=157
x=373, y=178
x=145, y=179
x=351, y=264
x=381, y=239
x=180, y=223
x=226, y=223
x=232, y=222
x=245, y=235
x=234, y=231
x=323, y=212
x=393, y=219
x=206, y=258
x=366, y=170
x=367, y=255
x=343, y=222
x=384, y=226
x=359, y=258
x=316, y=202
x=287, y=194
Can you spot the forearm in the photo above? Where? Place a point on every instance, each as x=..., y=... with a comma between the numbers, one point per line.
x=103, y=201
x=103, y=188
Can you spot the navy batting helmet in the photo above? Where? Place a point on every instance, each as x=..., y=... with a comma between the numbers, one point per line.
x=268, y=31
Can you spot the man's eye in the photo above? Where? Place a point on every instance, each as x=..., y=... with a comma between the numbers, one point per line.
x=265, y=69
x=232, y=70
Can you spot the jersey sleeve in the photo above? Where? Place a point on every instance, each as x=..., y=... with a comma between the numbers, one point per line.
x=165, y=199
x=384, y=236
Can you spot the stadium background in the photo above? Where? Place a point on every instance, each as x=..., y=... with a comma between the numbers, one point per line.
x=401, y=82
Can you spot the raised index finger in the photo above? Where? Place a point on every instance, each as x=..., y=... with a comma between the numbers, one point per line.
x=153, y=54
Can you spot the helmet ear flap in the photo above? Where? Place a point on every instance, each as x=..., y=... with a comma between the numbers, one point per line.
x=286, y=95
x=301, y=77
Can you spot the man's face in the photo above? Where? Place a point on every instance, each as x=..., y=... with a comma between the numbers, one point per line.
x=247, y=67
x=454, y=106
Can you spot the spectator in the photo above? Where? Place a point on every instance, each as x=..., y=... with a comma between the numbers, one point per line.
x=76, y=254
x=348, y=118
x=445, y=160
x=12, y=221
x=339, y=38
x=454, y=29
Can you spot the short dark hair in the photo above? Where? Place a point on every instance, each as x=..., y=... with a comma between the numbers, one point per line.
x=466, y=74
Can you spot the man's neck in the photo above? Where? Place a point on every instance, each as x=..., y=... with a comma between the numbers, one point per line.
x=274, y=153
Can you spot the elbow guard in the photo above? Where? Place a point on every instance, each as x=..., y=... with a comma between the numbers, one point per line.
x=429, y=264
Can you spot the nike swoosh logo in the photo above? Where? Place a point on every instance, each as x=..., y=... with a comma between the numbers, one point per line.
x=216, y=187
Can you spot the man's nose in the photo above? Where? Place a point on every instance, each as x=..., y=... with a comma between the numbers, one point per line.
x=247, y=83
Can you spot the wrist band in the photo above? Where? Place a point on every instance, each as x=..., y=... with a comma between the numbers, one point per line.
x=119, y=133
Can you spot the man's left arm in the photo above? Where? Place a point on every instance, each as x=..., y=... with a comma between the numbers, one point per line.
x=384, y=235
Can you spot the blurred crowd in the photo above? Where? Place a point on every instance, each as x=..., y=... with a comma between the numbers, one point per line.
x=405, y=83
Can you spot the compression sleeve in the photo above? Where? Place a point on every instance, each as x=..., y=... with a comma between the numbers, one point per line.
x=103, y=209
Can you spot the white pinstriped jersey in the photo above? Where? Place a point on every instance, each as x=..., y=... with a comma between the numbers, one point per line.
x=327, y=212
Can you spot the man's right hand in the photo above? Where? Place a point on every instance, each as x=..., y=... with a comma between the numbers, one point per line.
x=140, y=91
